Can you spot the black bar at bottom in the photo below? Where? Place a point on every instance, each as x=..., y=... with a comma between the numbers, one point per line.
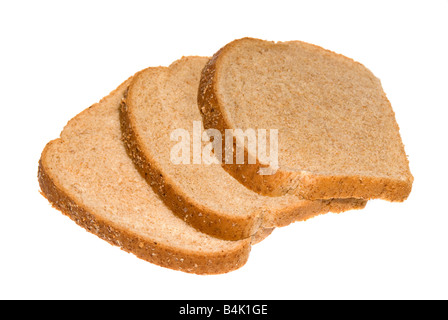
x=227, y=309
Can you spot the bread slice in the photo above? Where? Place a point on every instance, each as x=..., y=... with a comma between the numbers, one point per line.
x=337, y=133
x=87, y=175
x=164, y=99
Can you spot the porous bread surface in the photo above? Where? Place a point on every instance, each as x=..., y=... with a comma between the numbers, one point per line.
x=87, y=174
x=161, y=100
x=338, y=136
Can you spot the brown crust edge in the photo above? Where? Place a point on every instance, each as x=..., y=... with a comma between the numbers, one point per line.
x=305, y=185
x=321, y=187
x=313, y=209
x=201, y=218
x=143, y=248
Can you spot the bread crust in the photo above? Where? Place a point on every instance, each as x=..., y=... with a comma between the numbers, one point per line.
x=307, y=185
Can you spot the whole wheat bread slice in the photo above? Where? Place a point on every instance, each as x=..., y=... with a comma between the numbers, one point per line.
x=338, y=137
x=161, y=100
x=87, y=175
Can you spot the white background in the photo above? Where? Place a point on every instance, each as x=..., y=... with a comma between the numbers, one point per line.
x=59, y=57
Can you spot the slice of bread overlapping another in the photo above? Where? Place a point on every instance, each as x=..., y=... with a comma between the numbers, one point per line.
x=141, y=169
x=87, y=174
x=162, y=100
x=337, y=133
